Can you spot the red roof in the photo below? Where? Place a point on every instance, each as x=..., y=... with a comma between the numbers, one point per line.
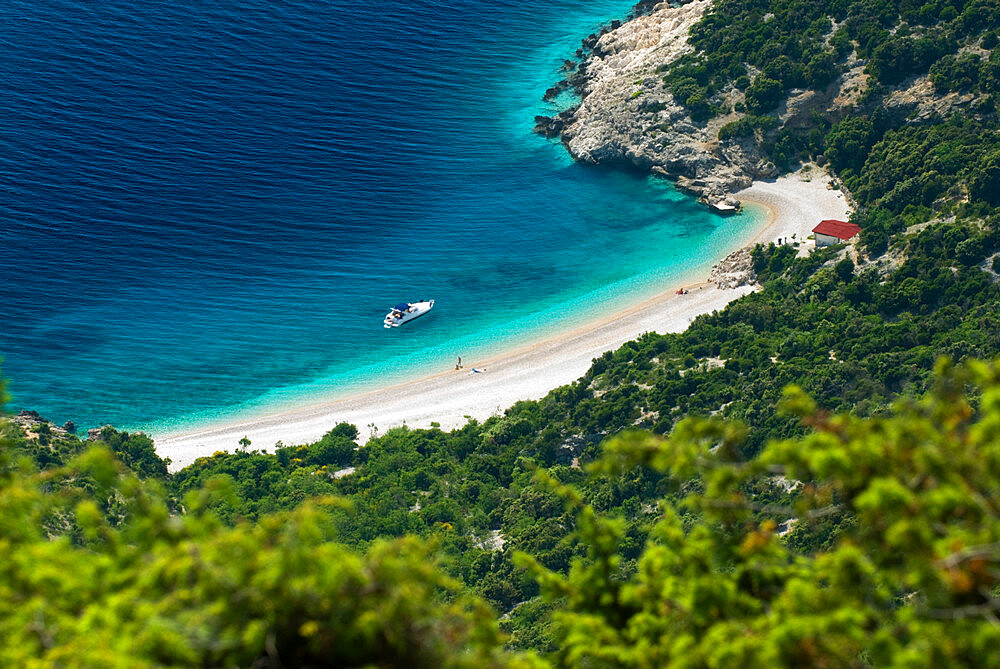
x=838, y=229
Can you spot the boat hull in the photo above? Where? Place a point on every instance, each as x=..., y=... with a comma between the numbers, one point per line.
x=413, y=310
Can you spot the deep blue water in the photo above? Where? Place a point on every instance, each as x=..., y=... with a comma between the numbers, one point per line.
x=205, y=206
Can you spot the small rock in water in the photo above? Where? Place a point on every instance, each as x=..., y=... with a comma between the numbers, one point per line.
x=548, y=126
x=555, y=90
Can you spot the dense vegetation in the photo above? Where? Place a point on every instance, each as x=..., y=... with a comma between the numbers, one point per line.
x=640, y=550
x=101, y=572
x=753, y=55
x=770, y=47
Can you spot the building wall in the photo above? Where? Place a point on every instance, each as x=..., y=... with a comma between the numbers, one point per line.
x=825, y=240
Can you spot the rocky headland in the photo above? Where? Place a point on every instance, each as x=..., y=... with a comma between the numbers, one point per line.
x=33, y=424
x=627, y=115
x=734, y=270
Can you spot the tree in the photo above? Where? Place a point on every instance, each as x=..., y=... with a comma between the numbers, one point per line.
x=335, y=448
x=848, y=142
x=909, y=576
x=763, y=94
x=984, y=182
x=844, y=269
x=162, y=590
x=136, y=451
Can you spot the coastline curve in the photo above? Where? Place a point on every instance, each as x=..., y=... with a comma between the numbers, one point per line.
x=531, y=371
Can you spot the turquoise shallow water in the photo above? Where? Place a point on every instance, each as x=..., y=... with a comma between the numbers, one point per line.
x=207, y=212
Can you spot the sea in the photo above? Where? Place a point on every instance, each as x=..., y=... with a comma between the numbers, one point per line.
x=206, y=208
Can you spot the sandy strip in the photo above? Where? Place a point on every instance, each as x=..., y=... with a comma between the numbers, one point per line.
x=797, y=202
x=527, y=373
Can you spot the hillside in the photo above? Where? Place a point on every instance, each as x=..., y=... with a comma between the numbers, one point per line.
x=760, y=86
x=679, y=504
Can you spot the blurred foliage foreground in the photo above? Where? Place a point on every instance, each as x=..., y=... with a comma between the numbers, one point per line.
x=912, y=581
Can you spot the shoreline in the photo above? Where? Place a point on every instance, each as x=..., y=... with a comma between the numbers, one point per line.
x=795, y=203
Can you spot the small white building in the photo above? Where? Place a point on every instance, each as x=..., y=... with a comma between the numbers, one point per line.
x=832, y=231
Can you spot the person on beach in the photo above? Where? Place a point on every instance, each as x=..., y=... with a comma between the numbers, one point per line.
x=459, y=365
x=477, y=371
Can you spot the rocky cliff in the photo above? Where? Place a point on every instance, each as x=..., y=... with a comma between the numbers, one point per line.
x=627, y=115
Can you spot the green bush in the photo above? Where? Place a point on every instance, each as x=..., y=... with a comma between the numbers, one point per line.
x=906, y=573
x=763, y=94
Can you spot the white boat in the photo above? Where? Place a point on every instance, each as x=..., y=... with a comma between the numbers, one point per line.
x=406, y=311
